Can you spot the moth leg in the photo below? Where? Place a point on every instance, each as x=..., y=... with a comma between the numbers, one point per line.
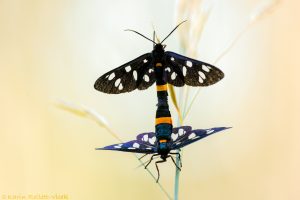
x=179, y=157
x=151, y=160
x=143, y=156
x=175, y=163
x=158, y=175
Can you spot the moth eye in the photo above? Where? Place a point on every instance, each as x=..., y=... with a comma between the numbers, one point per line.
x=173, y=76
x=184, y=71
x=117, y=82
x=111, y=76
x=145, y=60
x=128, y=68
x=189, y=63
x=134, y=75
x=202, y=75
x=146, y=78
x=205, y=68
x=172, y=58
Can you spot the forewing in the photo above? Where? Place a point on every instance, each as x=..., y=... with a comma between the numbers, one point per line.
x=195, y=135
x=133, y=146
x=184, y=70
x=132, y=75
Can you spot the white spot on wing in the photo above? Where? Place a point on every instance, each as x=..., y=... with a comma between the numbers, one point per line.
x=145, y=138
x=209, y=131
x=136, y=145
x=184, y=71
x=200, y=79
x=173, y=76
x=121, y=87
x=168, y=69
x=174, y=136
x=128, y=68
x=202, y=75
x=172, y=59
x=134, y=73
x=131, y=148
x=150, y=71
x=152, y=140
x=205, y=68
x=117, y=147
x=181, y=132
x=192, y=136
x=146, y=78
x=117, y=82
x=111, y=76
x=145, y=60
x=189, y=63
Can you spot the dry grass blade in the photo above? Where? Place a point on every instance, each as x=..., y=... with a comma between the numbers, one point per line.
x=84, y=111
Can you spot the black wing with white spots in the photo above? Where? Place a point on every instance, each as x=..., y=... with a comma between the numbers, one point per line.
x=195, y=135
x=133, y=146
x=138, y=73
x=182, y=70
x=147, y=139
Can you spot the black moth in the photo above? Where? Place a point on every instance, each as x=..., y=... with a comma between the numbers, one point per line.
x=140, y=72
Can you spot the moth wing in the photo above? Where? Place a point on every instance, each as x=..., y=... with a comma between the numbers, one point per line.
x=148, y=139
x=184, y=70
x=133, y=146
x=138, y=73
x=195, y=135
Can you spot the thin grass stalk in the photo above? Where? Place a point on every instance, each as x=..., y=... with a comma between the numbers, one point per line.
x=262, y=9
x=88, y=113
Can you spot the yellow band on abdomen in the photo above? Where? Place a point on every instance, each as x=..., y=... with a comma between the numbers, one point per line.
x=158, y=65
x=162, y=87
x=163, y=120
x=162, y=141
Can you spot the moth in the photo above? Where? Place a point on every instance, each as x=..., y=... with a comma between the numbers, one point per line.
x=149, y=144
x=140, y=73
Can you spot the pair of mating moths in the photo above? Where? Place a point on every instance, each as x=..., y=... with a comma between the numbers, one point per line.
x=162, y=67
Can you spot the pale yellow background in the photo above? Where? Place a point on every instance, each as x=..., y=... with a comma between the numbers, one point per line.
x=56, y=49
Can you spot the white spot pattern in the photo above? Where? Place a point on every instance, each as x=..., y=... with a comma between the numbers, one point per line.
x=184, y=71
x=136, y=145
x=145, y=138
x=202, y=75
x=121, y=87
x=146, y=78
x=189, y=63
x=200, y=79
x=174, y=136
x=172, y=59
x=181, y=132
x=145, y=60
x=117, y=82
x=209, y=131
x=150, y=71
x=173, y=76
x=152, y=140
x=134, y=75
x=111, y=76
x=128, y=68
x=168, y=69
x=205, y=68
x=192, y=136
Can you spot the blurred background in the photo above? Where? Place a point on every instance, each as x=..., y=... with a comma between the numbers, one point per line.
x=56, y=49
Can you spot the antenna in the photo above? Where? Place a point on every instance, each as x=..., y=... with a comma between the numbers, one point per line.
x=140, y=35
x=173, y=30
